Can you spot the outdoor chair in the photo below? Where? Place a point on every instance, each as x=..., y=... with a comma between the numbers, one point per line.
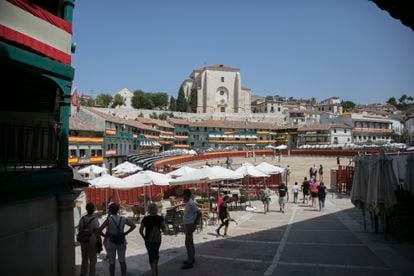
x=169, y=221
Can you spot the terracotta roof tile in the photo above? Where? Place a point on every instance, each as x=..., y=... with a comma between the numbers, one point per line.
x=77, y=124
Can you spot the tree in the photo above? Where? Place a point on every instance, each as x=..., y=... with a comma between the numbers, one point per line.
x=410, y=99
x=159, y=99
x=118, y=100
x=347, y=105
x=181, y=101
x=153, y=115
x=86, y=101
x=402, y=99
x=141, y=100
x=103, y=100
x=193, y=100
x=173, y=104
x=163, y=116
x=392, y=101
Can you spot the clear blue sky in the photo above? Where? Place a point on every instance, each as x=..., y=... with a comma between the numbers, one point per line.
x=350, y=49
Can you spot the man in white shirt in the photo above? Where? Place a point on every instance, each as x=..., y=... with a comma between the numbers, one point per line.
x=189, y=220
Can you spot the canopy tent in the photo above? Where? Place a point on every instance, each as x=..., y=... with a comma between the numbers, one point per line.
x=184, y=170
x=207, y=175
x=250, y=170
x=126, y=168
x=269, y=168
x=93, y=169
x=106, y=181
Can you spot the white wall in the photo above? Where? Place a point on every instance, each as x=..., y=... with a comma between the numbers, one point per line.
x=342, y=135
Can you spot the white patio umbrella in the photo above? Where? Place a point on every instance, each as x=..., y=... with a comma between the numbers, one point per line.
x=106, y=181
x=146, y=179
x=409, y=174
x=281, y=147
x=181, y=171
x=126, y=168
x=93, y=169
x=206, y=175
x=250, y=170
x=360, y=181
x=269, y=168
x=381, y=195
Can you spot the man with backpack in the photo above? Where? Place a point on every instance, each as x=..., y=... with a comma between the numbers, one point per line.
x=116, y=237
x=282, y=196
x=88, y=239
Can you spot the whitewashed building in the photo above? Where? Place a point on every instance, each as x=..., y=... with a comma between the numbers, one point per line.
x=330, y=105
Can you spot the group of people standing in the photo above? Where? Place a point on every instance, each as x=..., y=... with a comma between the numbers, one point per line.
x=311, y=189
x=113, y=232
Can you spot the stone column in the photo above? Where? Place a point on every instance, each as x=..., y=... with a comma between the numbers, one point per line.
x=66, y=242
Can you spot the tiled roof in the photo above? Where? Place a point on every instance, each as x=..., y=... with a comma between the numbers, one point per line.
x=218, y=67
x=118, y=120
x=77, y=124
x=160, y=123
x=322, y=127
x=233, y=124
x=176, y=121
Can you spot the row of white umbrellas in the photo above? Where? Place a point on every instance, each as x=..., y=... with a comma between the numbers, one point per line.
x=121, y=169
x=185, y=175
x=354, y=146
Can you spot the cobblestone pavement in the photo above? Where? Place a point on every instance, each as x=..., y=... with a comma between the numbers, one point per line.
x=301, y=241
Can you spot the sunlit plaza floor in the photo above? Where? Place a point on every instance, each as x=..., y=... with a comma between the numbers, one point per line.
x=301, y=241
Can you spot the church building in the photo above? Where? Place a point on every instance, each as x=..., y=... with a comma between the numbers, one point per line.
x=218, y=89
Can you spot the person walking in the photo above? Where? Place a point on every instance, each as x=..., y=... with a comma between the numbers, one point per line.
x=305, y=189
x=117, y=244
x=295, y=191
x=282, y=196
x=314, y=191
x=88, y=237
x=224, y=216
x=265, y=197
x=320, y=172
x=219, y=202
x=153, y=224
x=321, y=196
x=189, y=220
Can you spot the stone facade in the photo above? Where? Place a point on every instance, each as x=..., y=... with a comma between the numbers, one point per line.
x=219, y=90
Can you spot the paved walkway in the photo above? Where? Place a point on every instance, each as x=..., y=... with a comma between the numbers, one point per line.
x=302, y=241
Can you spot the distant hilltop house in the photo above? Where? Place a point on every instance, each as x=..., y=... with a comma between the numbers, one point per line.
x=330, y=105
x=219, y=89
